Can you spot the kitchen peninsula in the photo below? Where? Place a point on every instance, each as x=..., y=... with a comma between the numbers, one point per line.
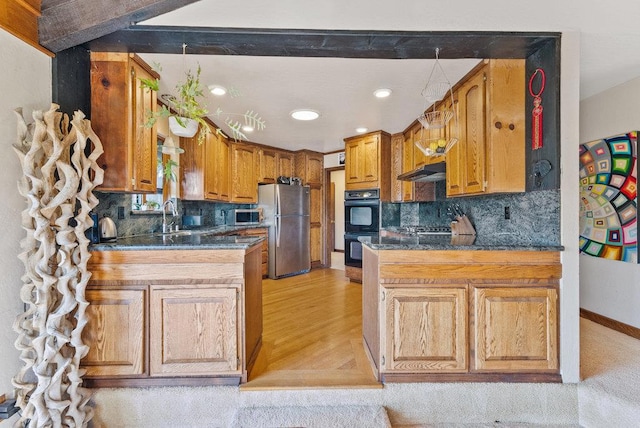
x=182, y=308
x=457, y=308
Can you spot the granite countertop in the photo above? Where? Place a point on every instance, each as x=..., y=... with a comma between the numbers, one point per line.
x=389, y=240
x=212, y=238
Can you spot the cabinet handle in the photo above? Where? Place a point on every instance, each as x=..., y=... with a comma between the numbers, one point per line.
x=512, y=126
x=499, y=125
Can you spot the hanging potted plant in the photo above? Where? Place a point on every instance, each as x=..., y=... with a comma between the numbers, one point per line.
x=185, y=112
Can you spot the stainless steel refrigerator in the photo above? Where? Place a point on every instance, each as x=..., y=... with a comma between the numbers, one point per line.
x=286, y=214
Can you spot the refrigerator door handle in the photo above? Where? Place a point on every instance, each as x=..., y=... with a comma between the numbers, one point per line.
x=278, y=226
x=278, y=212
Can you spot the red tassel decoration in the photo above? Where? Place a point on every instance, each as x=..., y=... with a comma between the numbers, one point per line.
x=536, y=113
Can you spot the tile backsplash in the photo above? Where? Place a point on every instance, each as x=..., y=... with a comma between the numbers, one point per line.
x=142, y=222
x=534, y=216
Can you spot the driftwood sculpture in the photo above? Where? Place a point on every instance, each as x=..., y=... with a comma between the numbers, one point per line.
x=58, y=182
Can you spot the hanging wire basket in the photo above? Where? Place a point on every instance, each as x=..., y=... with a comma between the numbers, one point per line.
x=431, y=142
x=436, y=119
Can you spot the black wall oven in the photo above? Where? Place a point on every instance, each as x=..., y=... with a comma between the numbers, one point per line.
x=362, y=222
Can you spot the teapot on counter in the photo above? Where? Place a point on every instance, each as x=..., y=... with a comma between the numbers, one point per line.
x=108, y=230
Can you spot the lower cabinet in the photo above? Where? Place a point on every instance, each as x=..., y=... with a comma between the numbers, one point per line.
x=425, y=329
x=194, y=330
x=172, y=317
x=461, y=315
x=264, y=232
x=514, y=329
x=116, y=313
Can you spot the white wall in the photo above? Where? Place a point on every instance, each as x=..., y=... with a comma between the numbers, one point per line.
x=607, y=287
x=25, y=81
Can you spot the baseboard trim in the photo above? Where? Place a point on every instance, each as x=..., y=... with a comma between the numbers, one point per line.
x=627, y=329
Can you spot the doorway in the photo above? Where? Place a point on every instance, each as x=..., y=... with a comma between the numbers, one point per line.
x=334, y=245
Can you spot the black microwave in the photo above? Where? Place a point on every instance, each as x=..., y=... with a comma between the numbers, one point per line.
x=239, y=217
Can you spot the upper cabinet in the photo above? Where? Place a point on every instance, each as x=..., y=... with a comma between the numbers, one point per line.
x=204, y=168
x=273, y=163
x=490, y=154
x=368, y=162
x=309, y=166
x=244, y=183
x=119, y=107
x=267, y=165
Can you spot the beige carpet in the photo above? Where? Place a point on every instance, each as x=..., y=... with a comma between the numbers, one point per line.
x=609, y=394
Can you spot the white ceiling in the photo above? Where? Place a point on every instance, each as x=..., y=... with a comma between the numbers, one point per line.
x=341, y=89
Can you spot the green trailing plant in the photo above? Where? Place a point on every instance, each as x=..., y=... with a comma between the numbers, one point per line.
x=186, y=104
x=168, y=170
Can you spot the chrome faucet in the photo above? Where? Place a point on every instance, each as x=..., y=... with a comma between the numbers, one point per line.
x=167, y=227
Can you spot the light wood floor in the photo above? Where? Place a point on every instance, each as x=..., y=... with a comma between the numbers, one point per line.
x=312, y=334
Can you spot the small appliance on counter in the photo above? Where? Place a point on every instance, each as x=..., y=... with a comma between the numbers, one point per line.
x=108, y=230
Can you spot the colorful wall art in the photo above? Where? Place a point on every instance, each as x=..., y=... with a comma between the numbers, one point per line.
x=609, y=197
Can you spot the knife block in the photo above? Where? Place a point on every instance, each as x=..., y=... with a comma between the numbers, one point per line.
x=462, y=226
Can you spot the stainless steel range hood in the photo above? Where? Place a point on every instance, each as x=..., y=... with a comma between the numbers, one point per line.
x=431, y=172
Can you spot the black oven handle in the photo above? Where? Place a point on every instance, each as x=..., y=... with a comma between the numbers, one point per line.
x=362, y=203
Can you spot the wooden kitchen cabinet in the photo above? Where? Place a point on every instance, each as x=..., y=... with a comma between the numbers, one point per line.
x=264, y=232
x=244, y=182
x=286, y=163
x=115, y=313
x=119, y=108
x=449, y=315
x=368, y=162
x=204, y=168
x=309, y=166
x=273, y=163
x=515, y=328
x=490, y=154
x=315, y=230
x=267, y=165
x=194, y=330
x=172, y=317
x=425, y=329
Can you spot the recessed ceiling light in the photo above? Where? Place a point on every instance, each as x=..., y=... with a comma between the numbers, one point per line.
x=247, y=128
x=361, y=130
x=217, y=90
x=382, y=92
x=305, y=114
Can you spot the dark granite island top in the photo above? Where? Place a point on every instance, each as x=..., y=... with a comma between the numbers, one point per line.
x=217, y=238
x=390, y=240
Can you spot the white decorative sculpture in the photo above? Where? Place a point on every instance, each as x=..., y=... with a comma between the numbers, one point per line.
x=58, y=182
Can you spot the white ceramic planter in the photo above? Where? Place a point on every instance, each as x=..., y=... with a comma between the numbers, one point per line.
x=188, y=131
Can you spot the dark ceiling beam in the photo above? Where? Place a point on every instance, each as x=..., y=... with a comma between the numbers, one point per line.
x=322, y=43
x=67, y=23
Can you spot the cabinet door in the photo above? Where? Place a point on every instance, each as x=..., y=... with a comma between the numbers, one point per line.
x=370, y=159
x=244, y=186
x=426, y=330
x=115, y=333
x=397, y=146
x=315, y=248
x=515, y=329
x=353, y=163
x=267, y=166
x=285, y=164
x=264, y=232
x=194, y=331
x=143, y=139
x=474, y=94
x=216, y=172
x=315, y=169
x=407, y=165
